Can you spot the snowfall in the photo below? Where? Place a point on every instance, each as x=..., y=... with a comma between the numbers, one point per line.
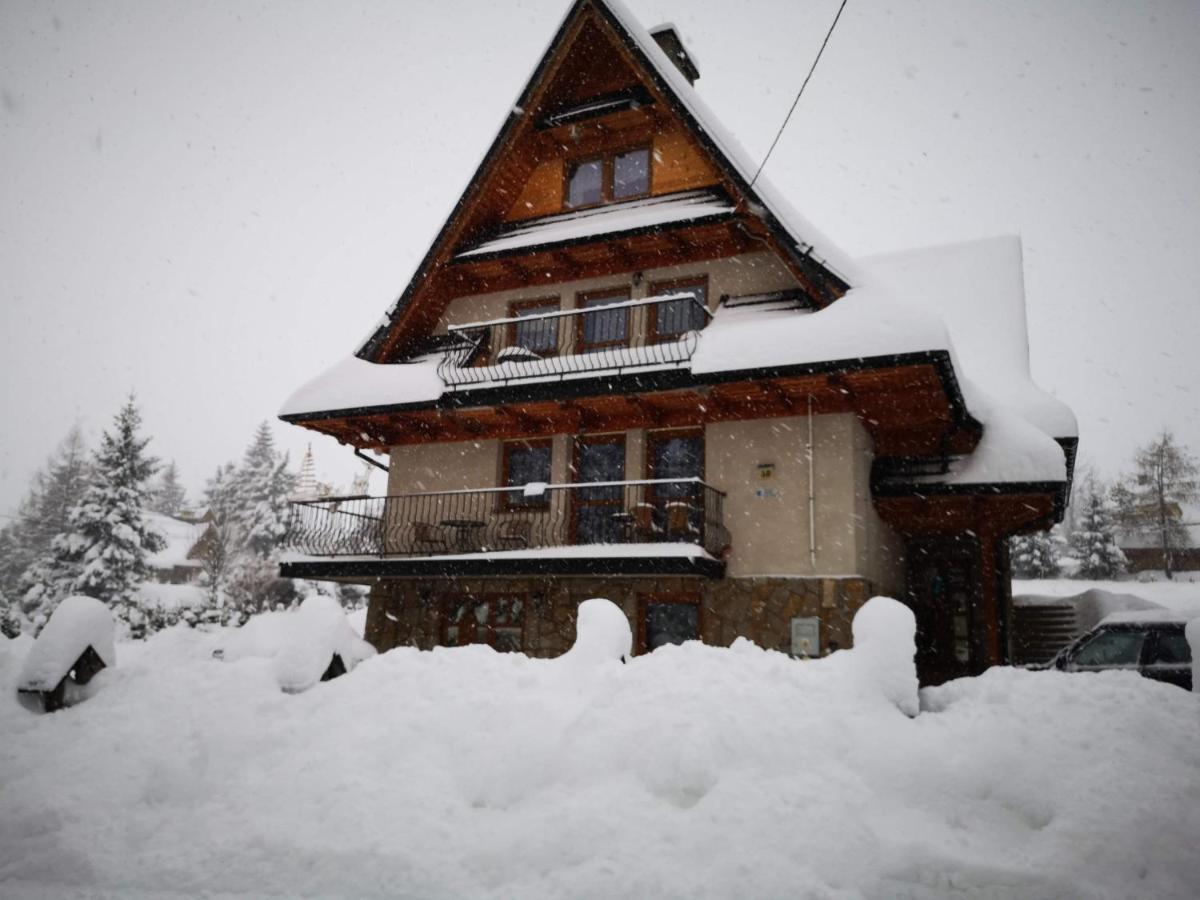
x=694, y=771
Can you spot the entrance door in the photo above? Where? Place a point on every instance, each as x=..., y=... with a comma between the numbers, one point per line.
x=944, y=592
x=668, y=620
x=596, y=511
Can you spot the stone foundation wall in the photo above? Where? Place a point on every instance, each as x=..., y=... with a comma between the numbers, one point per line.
x=410, y=613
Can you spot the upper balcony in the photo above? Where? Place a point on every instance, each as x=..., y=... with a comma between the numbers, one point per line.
x=606, y=337
x=657, y=526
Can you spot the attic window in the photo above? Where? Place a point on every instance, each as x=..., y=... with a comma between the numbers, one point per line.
x=603, y=179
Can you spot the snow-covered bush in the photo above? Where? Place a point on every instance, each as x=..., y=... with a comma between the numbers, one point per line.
x=302, y=643
x=602, y=634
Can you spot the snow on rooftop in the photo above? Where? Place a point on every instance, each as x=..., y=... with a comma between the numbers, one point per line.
x=804, y=232
x=615, y=218
x=355, y=383
x=977, y=288
x=180, y=537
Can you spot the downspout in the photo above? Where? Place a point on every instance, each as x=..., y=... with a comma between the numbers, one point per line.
x=812, y=494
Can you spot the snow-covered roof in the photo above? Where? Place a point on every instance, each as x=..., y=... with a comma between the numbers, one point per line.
x=890, y=315
x=805, y=239
x=606, y=221
x=77, y=623
x=1151, y=616
x=977, y=289
x=180, y=536
x=802, y=231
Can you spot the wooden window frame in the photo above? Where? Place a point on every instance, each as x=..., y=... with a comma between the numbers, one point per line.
x=618, y=294
x=516, y=306
x=506, y=497
x=449, y=598
x=657, y=434
x=607, y=160
x=657, y=289
x=643, y=609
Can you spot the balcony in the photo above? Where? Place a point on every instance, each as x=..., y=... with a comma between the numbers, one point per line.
x=661, y=526
x=650, y=334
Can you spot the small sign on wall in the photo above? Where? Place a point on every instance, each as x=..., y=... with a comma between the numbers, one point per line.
x=806, y=637
x=766, y=471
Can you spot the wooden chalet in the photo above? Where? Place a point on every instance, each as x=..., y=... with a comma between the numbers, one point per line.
x=626, y=368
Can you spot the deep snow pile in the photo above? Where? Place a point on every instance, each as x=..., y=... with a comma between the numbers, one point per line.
x=694, y=771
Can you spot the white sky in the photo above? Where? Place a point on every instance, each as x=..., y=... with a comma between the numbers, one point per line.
x=209, y=203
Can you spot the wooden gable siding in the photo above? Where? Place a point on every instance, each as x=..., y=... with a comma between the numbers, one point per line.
x=675, y=162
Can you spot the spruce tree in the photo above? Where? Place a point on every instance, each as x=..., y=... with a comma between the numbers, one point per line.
x=1093, y=542
x=44, y=516
x=10, y=625
x=261, y=488
x=109, y=539
x=220, y=544
x=1166, y=479
x=1035, y=555
x=169, y=497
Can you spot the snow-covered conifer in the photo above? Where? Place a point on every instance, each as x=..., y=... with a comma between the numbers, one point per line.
x=10, y=625
x=1035, y=555
x=108, y=538
x=1093, y=542
x=169, y=496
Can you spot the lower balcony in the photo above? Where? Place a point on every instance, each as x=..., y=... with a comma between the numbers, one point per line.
x=660, y=526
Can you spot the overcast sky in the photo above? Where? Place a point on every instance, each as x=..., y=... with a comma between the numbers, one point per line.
x=208, y=203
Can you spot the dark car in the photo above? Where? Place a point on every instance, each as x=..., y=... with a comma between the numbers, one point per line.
x=1152, y=644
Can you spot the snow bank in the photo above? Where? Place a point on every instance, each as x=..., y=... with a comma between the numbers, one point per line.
x=693, y=772
x=76, y=623
x=300, y=643
x=1179, y=594
x=885, y=634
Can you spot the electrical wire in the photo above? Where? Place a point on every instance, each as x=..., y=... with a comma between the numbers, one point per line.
x=799, y=93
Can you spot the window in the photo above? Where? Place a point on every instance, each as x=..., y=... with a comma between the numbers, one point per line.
x=496, y=620
x=668, y=620
x=585, y=185
x=675, y=454
x=596, y=511
x=1171, y=650
x=669, y=321
x=603, y=179
x=525, y=462
x=631, y=174
x=605, y=327
x=1111, y=648
x=538, y=335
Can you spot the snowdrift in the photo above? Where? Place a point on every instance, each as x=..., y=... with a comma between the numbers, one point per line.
x=77, y=623
x=691, y=772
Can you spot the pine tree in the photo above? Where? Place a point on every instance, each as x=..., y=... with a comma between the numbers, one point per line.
x=262, y=487
x=169, y=497
x=44, y=515
x=1036, y=555
x=1152, y=502
x=10, y=625
x=219, y=544
x=1093, y=542
x=109, y=538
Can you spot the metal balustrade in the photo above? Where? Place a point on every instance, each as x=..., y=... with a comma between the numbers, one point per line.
x=448, y=523
x=655, y=332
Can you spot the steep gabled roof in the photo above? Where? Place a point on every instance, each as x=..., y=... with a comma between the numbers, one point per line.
x=806, y=249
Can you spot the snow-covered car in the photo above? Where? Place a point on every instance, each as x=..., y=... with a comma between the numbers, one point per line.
x=1149, y=642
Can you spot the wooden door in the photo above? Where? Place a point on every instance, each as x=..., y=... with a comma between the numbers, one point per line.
x=944, y=591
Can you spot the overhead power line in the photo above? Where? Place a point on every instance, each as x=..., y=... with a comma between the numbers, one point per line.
x=799, y=93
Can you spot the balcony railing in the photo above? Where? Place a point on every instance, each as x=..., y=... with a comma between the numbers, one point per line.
x=537, y=516
x=655, y=332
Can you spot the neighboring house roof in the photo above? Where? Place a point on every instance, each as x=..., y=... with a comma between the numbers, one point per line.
x=181, y=536
x=1149, y=539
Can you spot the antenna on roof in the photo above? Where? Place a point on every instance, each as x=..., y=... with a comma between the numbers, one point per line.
x=788, y=117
